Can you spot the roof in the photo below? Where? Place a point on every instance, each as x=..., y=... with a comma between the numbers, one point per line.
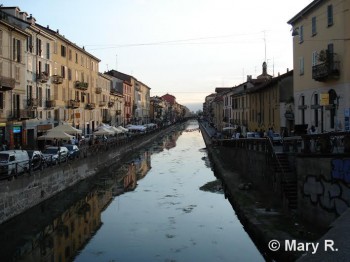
x=124, y=77
x=56, y=33
x=270, y=82
x=309, y=8
x=222, y=89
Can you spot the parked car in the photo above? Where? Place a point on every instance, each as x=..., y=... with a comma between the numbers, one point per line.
x=14, y=162
x=253, y=135
x=36, y=159
x=73, y=151
x=55, y=154
x=277, y=139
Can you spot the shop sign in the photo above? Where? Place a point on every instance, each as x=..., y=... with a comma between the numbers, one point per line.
x=16, y=129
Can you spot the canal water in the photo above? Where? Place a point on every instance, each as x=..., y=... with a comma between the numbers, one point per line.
x=150, y=209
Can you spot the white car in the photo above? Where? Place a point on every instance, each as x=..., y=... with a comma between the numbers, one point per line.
x=55, y=154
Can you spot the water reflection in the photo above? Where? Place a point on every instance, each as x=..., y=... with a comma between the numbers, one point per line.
x=96, y=221
x=56, y=229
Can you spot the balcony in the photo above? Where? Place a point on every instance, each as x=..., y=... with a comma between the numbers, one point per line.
x=73, y=104
x=56, y=79
x=327, y=68
x=42, y=77
x=25, y=114
x=127, y=104
x=102, y=103
x=323, y=72
x=90, y=106
x=98, y=90
x=110, y=103
x=33, y=102
x=50, y=103
x=118, y=112
x=7, y=83
x=114, y=92
x=81, y=85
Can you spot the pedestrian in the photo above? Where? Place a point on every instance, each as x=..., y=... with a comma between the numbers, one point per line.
x=312, y=130
x=270, y=133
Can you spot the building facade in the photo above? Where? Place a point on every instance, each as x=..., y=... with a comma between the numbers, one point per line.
x=321, y=62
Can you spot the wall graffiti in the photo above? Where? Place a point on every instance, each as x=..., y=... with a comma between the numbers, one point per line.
x=341, y=169
x=333, y=196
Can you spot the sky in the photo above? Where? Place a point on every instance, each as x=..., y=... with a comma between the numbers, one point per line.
x=186, y=48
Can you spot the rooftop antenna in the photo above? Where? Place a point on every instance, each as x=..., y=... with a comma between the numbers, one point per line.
x=265, y=45
x=107, y=67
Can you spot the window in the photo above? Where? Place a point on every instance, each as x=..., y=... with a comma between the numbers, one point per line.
x=16, y=55
x=38, y=47
x=70, y=54
x=316, y=110
x=76, y=58
x=48, y=51
x=55, y=48
x=301, y=34
x=2, y=102
x=301, y=65
x=69, y=74
x=314, y=29
x=330, y=15
x=1, y=42
x=63, y=51
x=303, y=110
x=63, y=72
x=47, y=69
x=30, y=44
x=82, y=97
x=314, y=58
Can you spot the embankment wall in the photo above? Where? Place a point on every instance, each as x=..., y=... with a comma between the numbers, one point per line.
x=26, y=191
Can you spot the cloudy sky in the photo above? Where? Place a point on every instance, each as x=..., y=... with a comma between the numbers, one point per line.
x=183, y=47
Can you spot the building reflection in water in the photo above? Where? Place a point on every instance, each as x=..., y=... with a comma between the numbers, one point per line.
x=57, y=229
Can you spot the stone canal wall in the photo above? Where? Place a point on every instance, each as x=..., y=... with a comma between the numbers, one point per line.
x=324, y=192
x=26, y=191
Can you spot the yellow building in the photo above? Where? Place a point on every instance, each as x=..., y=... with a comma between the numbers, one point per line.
x=13, y=39
x=75, y=75
x=321, y=83
x=267, y=104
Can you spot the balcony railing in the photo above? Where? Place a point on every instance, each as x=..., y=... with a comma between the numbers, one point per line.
x=43, y=77
x=127, y=104
x=110, y=103
x=25, y=114
x=102, y=103
x=98, y=90
x=33, y=102
x=118, y=112
x=73, y=104
x=50, y=103
x=114, y=92
x=56, y=79
x=81, y=85
x=90, y=106
x=7, y=83
x=328, y=68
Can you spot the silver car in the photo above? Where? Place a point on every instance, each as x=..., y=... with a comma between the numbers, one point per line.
x=55, y=154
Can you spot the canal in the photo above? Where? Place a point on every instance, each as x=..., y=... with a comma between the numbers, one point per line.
x=151, y=208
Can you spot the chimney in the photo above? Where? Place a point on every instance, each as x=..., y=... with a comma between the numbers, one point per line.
x=249, y=78
x=31, y=19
